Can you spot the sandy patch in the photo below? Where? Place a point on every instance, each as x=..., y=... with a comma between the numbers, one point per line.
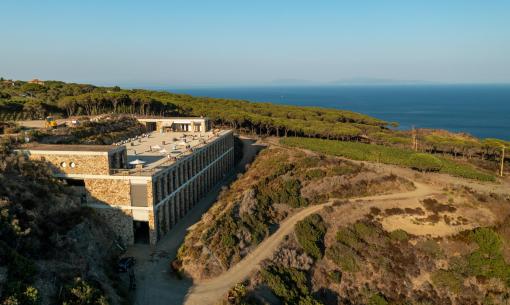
x=411, y=224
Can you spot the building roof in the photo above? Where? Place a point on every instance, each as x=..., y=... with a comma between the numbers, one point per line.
x=70, y=147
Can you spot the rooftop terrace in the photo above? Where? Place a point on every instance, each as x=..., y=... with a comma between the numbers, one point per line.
x=160, y=150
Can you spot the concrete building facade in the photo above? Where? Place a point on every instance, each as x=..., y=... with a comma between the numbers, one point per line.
x=147, y=201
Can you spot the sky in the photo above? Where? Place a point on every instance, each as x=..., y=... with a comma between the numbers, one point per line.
x=229, y=43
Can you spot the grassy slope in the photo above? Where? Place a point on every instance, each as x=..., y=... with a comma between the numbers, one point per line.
x=383, y=154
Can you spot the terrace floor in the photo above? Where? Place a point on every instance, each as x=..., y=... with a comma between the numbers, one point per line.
x=157, y=148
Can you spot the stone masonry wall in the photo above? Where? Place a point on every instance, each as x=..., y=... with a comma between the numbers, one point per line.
x=93, y=165
x=121, y=222
x=109, y=191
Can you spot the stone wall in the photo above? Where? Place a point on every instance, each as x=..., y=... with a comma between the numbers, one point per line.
x=109, y=191
x=121, y=222
x=153, y=234
x=150, y=193
x=83, y=164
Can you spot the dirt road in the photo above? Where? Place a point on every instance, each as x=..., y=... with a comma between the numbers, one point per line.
x=210, y=291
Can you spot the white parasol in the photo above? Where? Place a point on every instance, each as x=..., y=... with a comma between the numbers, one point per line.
x=137, y=162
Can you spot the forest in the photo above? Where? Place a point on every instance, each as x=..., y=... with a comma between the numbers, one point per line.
x=21, y=100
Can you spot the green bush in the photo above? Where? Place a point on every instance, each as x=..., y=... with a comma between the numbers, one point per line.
x=289, y=284
x=344, y=257
x=399, y=235
x=314, y=174
x=348, y=237
x=310, y=235
x=425, y=163
x=377, y=299
x=488, y=259
x=448, y=279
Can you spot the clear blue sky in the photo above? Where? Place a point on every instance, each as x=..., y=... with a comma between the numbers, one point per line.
x=187, y=43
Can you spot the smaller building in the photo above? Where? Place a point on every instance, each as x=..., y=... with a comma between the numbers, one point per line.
x=9, y=83
x=176, y=124
x=36, y=81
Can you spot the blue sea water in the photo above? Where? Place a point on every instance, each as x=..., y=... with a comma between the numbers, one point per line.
x=481, y=110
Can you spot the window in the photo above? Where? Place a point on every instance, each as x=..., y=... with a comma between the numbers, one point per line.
x=63, y=164
x=72, y=164
x=75, y=182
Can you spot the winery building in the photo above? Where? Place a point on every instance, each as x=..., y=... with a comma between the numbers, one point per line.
x=143, y=186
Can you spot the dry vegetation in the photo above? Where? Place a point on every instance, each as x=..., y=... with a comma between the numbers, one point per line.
x=363, y=259
x=104, y=130
x=52, y=251
x=278, y=182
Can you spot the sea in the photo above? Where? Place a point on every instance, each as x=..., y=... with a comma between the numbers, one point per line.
x=480, y=110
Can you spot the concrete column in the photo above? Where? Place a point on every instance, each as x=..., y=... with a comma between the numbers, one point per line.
x=187, y=196
x=195, y=192
x=164, y=182
x=191, y=196
x=181, y=174
x=170, y=181
x=184, y=208
x=161, y=221
x=180, y=211
x=207, y=178
x=172, y=210
x=168, y=222
x=174, y=179
x=161, y=188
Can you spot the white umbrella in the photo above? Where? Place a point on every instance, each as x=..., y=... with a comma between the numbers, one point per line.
x=137, y=162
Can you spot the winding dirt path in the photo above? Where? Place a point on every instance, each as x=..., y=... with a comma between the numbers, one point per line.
x=210, y=291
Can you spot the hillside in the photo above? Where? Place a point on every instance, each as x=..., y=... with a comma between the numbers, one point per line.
x=431, y=251
x=52, y=251
x=279, y=182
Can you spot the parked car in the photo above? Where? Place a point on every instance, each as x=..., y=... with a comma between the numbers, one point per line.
x=125, y=263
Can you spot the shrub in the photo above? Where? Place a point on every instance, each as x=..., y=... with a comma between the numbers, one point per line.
x=344, y=257
x=347, y=237
x=289, y=284
x=431, y=248
x=448, y=279
x=399, y=235
x=335, y=276
x=377, y=299
x=425, y=163
x=315, y=173
x=310, y=235
x=364, y=231
x=83, y=293
x=488, y=259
